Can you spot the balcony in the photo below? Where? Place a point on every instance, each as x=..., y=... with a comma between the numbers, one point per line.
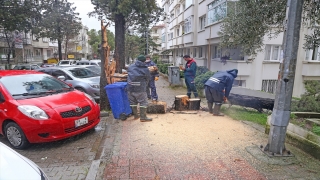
x=174, y=41
x=180, y=18
x=188, y=37
x=244, y=68
x=180, y=40
x=311, y=68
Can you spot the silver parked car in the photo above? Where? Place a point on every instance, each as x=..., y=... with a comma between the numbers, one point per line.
x=80, y=78
x=93, y=68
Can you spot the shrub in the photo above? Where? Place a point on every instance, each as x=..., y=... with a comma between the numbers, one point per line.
x=201, y=70
x=163, y=68
x=201, y=79
x=310, y=101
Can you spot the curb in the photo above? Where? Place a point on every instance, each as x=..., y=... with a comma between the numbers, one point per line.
x=104, y=114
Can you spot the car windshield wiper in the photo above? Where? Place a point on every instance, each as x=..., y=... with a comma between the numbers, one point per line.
x=34, y=93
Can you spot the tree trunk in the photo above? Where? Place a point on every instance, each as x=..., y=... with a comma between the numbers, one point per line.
x=314, y=53
x=119, y=42
x=252, y=102
x=8, y=42
x=59, y=49
x=66, y=49
x=104, y=101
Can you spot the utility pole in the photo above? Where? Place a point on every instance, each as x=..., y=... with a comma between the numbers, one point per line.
x=281, y=113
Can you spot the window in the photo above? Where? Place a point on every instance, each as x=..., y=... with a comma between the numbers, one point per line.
x=163, y=38
x=170, y=36
x=178, y=10
x=37, y=52
x=188, y=25
x=272, y=53
x=217, y=10
x=188, y=3
x=49, y=53
x=241, y=83
x=202, y=21
x=171, y=15
x=200, y=52
x=313, y=54
x=195, y=52
x=44, y=39
x=155, y=31
x=178, y=33
x=269, y=86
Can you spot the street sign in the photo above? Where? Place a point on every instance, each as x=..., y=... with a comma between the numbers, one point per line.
x=79, y=48
x=70, y=56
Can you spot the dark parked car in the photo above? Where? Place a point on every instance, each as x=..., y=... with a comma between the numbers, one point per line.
x=26, y=67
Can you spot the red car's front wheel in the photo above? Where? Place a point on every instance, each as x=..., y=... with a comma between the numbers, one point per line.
x=15, y=136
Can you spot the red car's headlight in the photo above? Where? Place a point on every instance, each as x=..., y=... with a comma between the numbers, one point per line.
x=33, y=112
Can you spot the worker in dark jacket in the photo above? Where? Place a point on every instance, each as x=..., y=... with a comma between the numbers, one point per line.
x=190, y=70
x=217, y=89
x=154, y=77
x=138, y=78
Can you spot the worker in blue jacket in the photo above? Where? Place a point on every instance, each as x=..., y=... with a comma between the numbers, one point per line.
x=138, y=79
x=217, y=89
x=154, y=77
x=190, y=70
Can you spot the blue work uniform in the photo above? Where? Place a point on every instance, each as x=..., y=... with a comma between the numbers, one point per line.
x=153, y=95
x=219, y=85
x=189, y=75
x=138, y=79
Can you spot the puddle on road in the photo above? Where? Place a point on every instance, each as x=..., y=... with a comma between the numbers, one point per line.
x=98, y=128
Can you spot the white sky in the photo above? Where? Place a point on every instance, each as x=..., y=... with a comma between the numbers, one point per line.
x=84, y=7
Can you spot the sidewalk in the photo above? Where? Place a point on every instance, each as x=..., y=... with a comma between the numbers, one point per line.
x=196, y=146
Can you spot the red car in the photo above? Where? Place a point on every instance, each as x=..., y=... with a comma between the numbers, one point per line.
x=36, y=107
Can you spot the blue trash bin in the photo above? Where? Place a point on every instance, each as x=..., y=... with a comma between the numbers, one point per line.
x=118, y=99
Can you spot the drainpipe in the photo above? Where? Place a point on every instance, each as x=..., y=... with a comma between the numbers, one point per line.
x=209, y=51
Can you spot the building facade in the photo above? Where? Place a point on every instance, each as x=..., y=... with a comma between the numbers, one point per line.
x=31, y=49
x=192, y=28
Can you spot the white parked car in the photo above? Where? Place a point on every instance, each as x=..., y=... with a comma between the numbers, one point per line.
x=15, y=166
x=95, y=62
x=67, y=62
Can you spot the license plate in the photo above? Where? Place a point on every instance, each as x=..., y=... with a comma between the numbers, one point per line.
x=81, y=121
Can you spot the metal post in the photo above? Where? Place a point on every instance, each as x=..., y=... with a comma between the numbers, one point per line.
x=281, y=112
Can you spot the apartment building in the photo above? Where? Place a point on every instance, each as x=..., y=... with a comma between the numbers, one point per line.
x=155, y=33
x=29, y=48
x=192, y=28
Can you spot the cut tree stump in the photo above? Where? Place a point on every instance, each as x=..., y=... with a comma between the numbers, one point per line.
x=181, y=102
x=252, y=102
x=158, y=107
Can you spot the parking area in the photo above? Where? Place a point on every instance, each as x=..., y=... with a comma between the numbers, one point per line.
x=67, y=159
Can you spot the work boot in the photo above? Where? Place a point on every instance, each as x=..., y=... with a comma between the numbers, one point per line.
x=143, y=115
x=135, y=112
x=210, y=107
x=216, y=110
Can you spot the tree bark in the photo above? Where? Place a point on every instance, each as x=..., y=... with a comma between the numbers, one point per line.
x=119, y=42
x=252, y=102
x=105, y=50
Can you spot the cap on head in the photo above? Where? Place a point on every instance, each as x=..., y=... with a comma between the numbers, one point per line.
x=141, y=58
x=186, y=56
